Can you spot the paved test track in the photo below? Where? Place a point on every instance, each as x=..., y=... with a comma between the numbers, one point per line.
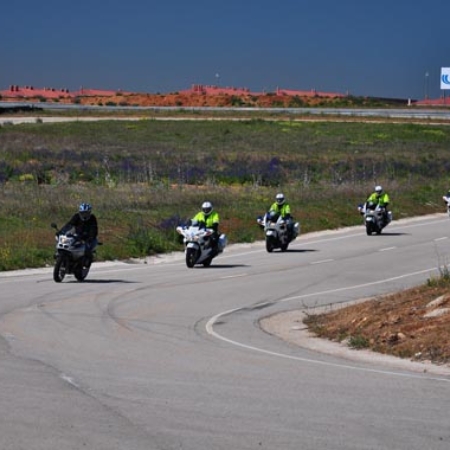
x=427, y=115
x=159, y=356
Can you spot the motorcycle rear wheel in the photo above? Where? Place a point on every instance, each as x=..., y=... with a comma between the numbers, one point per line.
x=81, y=272
x=59, y=271
x=207, y=262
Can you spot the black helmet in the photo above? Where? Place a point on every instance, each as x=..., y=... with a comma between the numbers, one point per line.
x=207, y=208
x=85, y=211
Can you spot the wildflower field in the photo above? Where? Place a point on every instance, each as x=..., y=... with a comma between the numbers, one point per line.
x=144, y=177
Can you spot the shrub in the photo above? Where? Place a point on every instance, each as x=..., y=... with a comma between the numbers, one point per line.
x=358, y=342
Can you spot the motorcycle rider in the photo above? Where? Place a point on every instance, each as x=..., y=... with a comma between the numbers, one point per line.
x=282, y=208
x=446, y=197
x=86, y=227
x=208, y=218
x=380, y=198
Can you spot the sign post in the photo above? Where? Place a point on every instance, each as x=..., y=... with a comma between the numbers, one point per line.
x=445, y=79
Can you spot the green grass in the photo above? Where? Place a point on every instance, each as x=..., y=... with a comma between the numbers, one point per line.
x=358, y=342
x=144, y=177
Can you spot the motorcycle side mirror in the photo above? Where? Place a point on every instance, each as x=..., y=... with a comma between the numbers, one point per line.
x=53, y=225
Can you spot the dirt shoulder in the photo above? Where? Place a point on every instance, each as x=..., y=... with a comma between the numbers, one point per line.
x=409, y=329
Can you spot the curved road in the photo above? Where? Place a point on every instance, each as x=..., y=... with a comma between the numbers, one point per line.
x=159, y=356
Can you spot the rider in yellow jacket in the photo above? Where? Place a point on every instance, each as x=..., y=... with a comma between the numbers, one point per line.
x=381, y=198
x=208, y=218
x=281, y=207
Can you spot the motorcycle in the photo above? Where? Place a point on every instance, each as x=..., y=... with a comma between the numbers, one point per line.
x=198, y=244
x=375, y=217
x=70, y=256
x=447, y=203
x=277, y=232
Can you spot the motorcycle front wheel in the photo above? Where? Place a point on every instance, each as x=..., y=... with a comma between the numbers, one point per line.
x=191, y=257
x=369, y=228
x=59, y=271
x=269, y=245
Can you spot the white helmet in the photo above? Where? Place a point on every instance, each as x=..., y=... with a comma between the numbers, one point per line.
x=279, y=198
x=207, y=208
x=378, y=189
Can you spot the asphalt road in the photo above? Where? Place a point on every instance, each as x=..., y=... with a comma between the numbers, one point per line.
x=427, y=115
x=159, y=356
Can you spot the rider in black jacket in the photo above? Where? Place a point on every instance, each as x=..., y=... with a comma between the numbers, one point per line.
x=85, y=225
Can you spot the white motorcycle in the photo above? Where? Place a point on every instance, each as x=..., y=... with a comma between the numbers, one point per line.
x=375, y=217
x=277, y=232
x=198, y=244
x=447, y=203
x=70, y=256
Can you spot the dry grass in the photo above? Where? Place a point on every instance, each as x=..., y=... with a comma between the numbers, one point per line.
x=145, y=177
x=414, y=324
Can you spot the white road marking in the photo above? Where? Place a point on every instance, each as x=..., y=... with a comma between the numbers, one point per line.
x=386, y=249
x=210, y=330
x=234, y=276
x=323, y=261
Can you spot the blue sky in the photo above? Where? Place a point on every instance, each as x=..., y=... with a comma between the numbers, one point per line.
x=384, y=48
